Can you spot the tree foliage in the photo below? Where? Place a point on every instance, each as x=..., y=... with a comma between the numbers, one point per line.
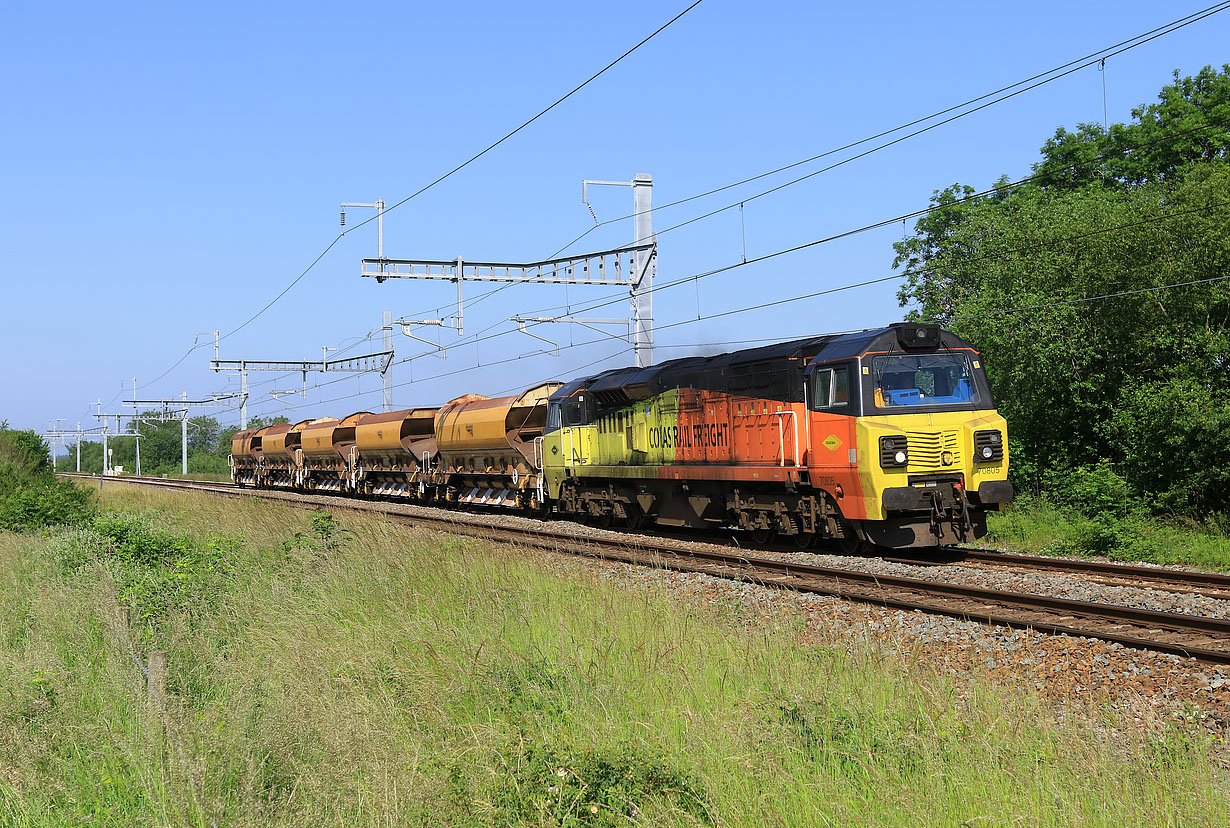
x=30, y=495
x=1189, y=124
x=23, y=457
x=1067, y=286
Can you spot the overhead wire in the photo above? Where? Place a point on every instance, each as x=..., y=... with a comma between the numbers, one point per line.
x=1056, y=73
x=588, y=307
x=570, y=372
x=1076, y=65
x=447, y=175
x=559, y=101
x=470, y=368
x=1073, y=66
x=340, y=351
x=879, y=224
x=841, y=288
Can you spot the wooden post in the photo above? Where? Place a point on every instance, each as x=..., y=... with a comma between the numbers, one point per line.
x=158, y=664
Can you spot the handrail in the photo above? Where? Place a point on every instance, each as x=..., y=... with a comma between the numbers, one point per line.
x=781, y=435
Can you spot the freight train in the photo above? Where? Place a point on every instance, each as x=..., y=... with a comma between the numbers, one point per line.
x=885, y=437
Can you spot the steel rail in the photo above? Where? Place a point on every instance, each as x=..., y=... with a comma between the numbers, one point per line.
x=1214, y=584
x=1207, y=639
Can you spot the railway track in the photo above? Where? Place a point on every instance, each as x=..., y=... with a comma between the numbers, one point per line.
x=1207, y=639
x=1211, y=584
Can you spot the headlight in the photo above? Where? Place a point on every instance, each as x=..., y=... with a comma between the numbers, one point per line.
x=894, y=452
x=988, y=446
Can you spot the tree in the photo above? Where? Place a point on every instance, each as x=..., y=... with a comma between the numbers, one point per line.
x=1190, y=124
x=203, y=433
x=1142, y=379
x=23, y=457
x=91, y=456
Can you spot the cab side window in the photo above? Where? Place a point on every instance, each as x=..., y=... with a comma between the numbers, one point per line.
x=577, y=411
x=841, y=386
x=831, y=388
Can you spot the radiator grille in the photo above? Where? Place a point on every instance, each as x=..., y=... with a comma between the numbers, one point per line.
x=927, y=450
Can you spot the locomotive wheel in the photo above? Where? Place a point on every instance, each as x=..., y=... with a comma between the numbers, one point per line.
x=851, y=545
x=761, y=537
x=803, y=540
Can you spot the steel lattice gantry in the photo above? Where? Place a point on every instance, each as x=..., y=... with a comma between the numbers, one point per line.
x=378, y=362
x=634, y=267
x=173, y=410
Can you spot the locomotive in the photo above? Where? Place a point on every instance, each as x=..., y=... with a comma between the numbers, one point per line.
x=886, y=437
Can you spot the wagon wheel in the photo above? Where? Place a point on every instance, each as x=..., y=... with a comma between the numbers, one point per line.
x=803, y=540
x=761, y=537
x=635, y=519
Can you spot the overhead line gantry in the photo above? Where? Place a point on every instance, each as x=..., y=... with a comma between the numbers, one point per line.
x=633, y=267
x=172, y=410
x=63, y=434
x=379, y=362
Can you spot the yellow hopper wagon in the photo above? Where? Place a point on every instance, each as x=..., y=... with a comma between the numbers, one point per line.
x=280, y=468
x=491, y=449
x=396, y=453
x=244, y=458
x=328, y=457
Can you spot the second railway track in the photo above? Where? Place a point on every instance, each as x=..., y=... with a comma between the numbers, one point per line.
x=1204, y=638
x=1211, y=584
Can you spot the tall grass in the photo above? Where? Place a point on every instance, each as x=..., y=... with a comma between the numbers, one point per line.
x=1036, y=525
x=350, y=671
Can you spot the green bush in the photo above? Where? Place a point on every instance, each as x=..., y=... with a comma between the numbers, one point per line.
x=30, y=495
x=1172, y=435
x=24, y=459
x=156, y=571
x=1036, y=524
x=543, y=784
x=1095, y=491
x=326, y=536
x=48, y=502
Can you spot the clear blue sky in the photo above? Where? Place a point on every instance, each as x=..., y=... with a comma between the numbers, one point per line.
x=169, y=168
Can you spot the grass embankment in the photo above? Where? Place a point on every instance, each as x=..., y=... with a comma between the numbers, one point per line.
x=1093, y=511
x=353, y=672
x=1035, y=525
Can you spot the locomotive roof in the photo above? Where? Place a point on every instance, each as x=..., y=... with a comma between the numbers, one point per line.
x=672, y=373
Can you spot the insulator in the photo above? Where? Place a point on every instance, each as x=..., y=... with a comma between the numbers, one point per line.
x=343, y=218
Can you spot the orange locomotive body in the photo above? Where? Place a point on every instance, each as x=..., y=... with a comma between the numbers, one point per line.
x=887, y=436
